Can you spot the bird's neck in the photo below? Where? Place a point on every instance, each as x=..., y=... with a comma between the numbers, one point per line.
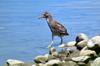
x=49, y=19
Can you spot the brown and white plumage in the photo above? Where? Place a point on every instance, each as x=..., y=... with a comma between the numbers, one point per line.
x=56, y=28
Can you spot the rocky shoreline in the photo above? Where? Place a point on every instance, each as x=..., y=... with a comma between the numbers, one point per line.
x=83, y=51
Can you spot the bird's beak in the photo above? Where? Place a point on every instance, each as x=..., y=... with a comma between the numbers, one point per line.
x=40, y=17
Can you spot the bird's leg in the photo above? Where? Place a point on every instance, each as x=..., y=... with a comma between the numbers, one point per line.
x=61, y=40
x=51, y=42
x=52, y=39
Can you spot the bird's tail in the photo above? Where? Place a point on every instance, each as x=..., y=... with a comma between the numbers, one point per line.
x=67, y=33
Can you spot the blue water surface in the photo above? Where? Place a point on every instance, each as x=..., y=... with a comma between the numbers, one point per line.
x=23, y=36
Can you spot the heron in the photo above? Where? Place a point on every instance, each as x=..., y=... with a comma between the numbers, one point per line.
x=56, y=28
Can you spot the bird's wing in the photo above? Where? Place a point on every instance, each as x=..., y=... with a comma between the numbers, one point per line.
x=60, y=28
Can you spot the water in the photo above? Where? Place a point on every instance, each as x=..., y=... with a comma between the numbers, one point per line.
x=23, y=36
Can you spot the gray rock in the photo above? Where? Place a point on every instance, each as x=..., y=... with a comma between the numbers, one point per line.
x=82, y=36
x=40, y=59
x=86, y=52
x=71, y=43
x=94, y=41
x=83, y=43
x=94, y=44
x=96, y=62
x=80, y=58
x=13, y=62
x=54, y=62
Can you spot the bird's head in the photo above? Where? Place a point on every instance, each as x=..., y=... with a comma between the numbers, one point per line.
x=45, y=15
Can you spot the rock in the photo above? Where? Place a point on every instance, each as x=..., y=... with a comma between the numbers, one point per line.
x=12, y=62
x=28, y=64
x=81, y=40
x=71, y=43
x=86, y=52
x=40, y=64
x=33, y=65
x=74, y=53
x=82, y=36
x=82, y=43
x=94, y=44
x=62, y=46
x=68, y=44
x=94, y=41
x=90, y=44
x=81, y=60
x=62, y=55
x=54, y=62
x=68, y=49
x=41, y=59
x=49, y=56
x=72, y=49
x=51, y=50
x=96, y=62
x=55, y=54
x=69, y=63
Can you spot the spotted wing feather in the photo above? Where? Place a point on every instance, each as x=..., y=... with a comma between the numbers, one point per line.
x=60, y=28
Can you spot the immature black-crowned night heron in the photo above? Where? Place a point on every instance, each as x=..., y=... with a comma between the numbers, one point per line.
x=56, y=28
